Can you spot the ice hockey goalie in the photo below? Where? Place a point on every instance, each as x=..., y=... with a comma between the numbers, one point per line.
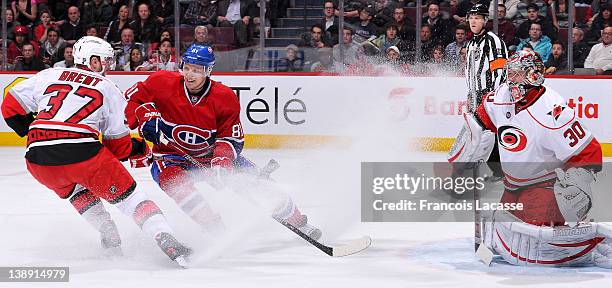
x=549, y=159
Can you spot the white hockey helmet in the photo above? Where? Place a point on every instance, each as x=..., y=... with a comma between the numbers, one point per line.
x=88, y=46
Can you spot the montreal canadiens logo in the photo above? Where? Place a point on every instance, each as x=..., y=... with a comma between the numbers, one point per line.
x=191, y=138
x=511, y=138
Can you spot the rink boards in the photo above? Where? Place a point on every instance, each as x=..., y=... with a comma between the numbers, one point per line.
x=301, y=110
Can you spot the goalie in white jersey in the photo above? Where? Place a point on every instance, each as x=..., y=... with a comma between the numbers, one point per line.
x=549, y=160
x=63, y=112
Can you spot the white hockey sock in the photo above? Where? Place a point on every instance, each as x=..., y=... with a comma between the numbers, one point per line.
x=196, y=207
x=145, y=213
x=289, y=212
x=96, y=215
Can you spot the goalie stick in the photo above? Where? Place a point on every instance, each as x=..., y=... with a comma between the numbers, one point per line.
x=349, y=248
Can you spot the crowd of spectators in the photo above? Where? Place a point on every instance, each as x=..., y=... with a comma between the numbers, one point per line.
x=381, y=30
x=376, y=32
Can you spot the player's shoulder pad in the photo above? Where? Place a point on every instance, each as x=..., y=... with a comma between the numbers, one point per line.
x=224, y=92
x=551, y=110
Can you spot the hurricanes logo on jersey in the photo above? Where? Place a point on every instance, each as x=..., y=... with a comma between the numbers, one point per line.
x=511, y=138
x=556, y=112
x=191, y=138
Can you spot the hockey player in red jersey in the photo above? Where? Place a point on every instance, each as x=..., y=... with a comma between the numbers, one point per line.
x=63, y=111
x=200, y=118
x=549, y=159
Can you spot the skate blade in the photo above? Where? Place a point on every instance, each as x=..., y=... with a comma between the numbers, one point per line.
x=182, y=262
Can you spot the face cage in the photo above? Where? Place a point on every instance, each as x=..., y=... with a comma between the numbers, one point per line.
x=207, y=69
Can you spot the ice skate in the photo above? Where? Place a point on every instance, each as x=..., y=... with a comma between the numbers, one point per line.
x=176, y=251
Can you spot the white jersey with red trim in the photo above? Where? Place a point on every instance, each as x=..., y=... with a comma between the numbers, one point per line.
x=536, y=140
x=72, y=100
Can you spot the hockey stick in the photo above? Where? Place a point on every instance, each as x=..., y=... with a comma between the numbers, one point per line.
x=352, y=247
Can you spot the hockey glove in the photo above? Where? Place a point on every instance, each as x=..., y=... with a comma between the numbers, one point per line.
x=153, y=129
x=142, y=156
x=573, y=193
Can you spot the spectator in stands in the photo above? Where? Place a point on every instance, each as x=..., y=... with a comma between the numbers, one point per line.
x=116, y=4
x=540, y=43
x=533, y=17
x=314, y=39
x=440, y=27
x=113, y=33
x=164, y=35
x=200, y=12
x=510, y=11
x=388, y=39
x=96, y=12
x=557, y=63
x=10, y=23
x=600, y=21
x=558, y=13
x=68, y=58
x=427, y=43
x=91, y=30
x=600, y=57
x=123, y=48
x=29, y=61
x=596, y=5
x=452, y=50
x=506, y=30
x=351, y=10
x=14, y=51
x=436, y=59
x=460, y=68
x=291, y=62
x=365, y=28
x=384, y=13
x=162, y=59
x=405, y=26
x=580, y=49
x=52, y=47
x=392, y=55
x=40, y=31
x=464, y=6
x=59, y=11
x=351, y=50
x=26, y=11
x=237, y=14
x=134, y=62
x=145, y=28
x=326, y=61
x=200, y=36
x=72, y=29
x=330, y=22
x=164, y=12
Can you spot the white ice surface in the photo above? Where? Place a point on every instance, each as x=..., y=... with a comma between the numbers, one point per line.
x=39, y=229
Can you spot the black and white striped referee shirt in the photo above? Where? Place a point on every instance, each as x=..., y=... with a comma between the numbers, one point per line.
x=484, y=72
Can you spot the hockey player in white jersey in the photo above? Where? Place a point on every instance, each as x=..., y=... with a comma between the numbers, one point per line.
x=549, y=159
x=63, y=111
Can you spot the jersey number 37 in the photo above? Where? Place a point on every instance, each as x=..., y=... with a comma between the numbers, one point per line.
x=62, y=91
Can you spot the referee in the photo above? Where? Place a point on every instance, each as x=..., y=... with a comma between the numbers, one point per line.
x=484, y=72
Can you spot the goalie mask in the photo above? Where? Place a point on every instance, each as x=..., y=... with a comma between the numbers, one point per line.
x=525, y=70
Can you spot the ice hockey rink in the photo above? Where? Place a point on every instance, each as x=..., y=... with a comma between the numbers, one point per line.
x=39, y=229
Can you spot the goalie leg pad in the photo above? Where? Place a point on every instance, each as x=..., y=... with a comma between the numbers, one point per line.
x=525, y=244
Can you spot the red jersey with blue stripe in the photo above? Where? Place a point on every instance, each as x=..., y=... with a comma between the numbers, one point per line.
x=207, y=127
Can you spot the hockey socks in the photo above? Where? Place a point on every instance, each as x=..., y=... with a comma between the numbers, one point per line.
x=180, y=188
x=289, y=212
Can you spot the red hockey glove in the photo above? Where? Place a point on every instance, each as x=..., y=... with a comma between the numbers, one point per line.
x=144, y=157
x=222, y=163
x=146, y=112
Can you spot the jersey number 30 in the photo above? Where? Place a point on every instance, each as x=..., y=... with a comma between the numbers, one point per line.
x=62, y=91
x=574, y=133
